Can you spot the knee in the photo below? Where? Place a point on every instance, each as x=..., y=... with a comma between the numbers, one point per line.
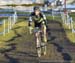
x=36, y=35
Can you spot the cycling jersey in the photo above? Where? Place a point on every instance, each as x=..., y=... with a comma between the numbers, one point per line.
x=38, y=20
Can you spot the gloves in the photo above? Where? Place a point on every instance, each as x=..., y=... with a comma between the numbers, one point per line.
x=30, y=30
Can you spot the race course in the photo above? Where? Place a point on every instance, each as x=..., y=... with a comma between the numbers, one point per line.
x=23, y=50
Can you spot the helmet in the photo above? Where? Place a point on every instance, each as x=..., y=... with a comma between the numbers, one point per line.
x=36, y=8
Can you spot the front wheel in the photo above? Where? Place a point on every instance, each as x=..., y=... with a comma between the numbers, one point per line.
x=38, y=43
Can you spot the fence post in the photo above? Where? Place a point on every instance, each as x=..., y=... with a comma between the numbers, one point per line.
x=4, y=27
x=72, y=25
x=52, y=14
x=62, y=16
x=10, y=23
x=69, y=19
x=65, y=18
x=14, y=17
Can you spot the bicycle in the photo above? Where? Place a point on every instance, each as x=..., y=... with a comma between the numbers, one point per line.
x=41, y=40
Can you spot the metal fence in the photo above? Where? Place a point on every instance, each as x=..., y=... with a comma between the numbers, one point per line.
x=9, y=22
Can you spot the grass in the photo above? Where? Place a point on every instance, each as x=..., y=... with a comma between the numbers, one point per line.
x=8, y=36
x=11, y=34
x=70, y=35
x=72, y=15
x=2, y=26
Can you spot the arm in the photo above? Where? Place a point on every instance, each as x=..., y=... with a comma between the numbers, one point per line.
x=30, y=21
x=45, y=20
x=30, y=25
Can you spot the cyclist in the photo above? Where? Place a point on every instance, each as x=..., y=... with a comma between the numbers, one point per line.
x=39, y=20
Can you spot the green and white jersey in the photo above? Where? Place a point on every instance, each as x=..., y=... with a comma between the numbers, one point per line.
x=37, y=19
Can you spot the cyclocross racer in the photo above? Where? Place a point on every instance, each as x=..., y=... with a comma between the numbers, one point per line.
x=39, y=19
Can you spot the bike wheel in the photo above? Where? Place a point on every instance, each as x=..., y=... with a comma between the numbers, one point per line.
x=39, y=46
x=44, y=48
x=44, y=40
